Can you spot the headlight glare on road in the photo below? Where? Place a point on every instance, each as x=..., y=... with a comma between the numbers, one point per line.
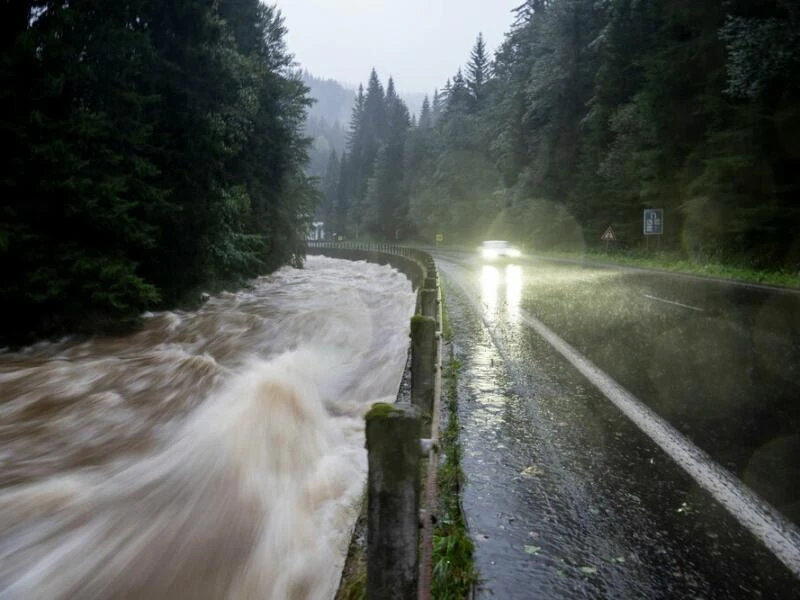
x=514, y=253
x=488, y=254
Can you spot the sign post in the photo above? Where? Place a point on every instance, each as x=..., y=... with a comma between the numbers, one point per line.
x=653, y=223
x=608, y=236
x=439, y=238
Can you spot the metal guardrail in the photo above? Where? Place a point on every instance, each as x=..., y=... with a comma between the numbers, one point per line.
x=398, y=565
x=394, y=249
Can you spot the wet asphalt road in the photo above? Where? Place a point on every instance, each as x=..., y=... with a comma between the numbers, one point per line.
x=566, y=497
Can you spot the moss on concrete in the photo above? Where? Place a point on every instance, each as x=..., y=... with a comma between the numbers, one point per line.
x=418, y=322
x=381, y=409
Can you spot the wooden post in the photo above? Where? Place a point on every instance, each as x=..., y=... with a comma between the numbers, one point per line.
x=393, y=482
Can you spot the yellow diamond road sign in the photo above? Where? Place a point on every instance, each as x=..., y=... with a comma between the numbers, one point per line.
x=608, y=235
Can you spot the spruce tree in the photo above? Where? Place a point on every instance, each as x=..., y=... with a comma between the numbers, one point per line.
x=478, y=71
x=436, y=107
x=425, y=116
x=458, y=96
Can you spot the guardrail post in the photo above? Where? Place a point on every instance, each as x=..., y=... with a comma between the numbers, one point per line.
x=423, y=358
x=393, y=489
x=428, y=302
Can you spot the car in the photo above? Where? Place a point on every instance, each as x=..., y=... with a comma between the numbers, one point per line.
x=498, y=250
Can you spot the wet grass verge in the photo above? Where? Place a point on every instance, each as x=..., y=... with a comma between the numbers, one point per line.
x=665, y=261
x=353, y=585
x=454, y=572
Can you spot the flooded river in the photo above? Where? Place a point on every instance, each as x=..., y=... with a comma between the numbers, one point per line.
x=212, y=454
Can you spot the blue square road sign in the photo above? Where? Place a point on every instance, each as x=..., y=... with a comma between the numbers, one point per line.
x=653, y=221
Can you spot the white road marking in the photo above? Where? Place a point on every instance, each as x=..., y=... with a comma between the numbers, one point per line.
x=657, y=299
x=776, y=532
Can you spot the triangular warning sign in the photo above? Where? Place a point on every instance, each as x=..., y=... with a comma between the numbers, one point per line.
x=608, y=235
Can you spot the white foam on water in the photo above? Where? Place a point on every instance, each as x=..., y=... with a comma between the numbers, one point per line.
x=255, y=489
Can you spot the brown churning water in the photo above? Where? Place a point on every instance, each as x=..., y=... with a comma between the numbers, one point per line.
x=213, y=454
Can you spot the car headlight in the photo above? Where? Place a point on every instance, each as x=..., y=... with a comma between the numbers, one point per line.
x=488, y=254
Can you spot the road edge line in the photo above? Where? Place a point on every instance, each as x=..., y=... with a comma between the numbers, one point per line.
x=674, y=303
x=764, y=521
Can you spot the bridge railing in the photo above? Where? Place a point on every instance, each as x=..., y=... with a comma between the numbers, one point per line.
x=403, y=436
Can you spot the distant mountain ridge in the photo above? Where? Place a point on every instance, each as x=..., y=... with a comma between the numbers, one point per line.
x=328, y=118
x=332, y=101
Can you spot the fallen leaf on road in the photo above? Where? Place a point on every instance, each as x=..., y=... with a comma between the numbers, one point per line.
x=532, y=471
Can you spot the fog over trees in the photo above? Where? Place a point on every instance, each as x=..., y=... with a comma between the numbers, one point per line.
x=587, y=114
x=154, y=151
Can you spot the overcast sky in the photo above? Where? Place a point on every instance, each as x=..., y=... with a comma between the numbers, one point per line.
x=418, y=42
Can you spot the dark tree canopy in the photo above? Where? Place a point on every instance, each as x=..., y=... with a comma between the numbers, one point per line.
x=154, y=148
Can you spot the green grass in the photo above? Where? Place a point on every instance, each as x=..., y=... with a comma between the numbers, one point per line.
x=670, y=262
x=454, y=572
x=354, y=587
x=447, y=328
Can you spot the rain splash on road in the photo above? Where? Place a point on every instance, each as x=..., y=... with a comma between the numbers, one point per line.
x=566, y=497
x=216, y=453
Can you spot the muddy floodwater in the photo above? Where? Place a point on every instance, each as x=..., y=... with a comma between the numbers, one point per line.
x=213, y=454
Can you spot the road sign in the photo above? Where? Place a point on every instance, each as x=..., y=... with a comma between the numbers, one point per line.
x=439, y=237
x=609, y=235
x=653, y=221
